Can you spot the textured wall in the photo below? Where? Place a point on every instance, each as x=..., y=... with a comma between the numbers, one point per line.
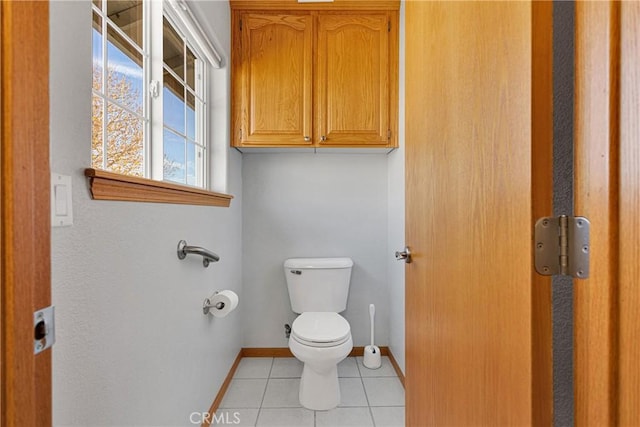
x=313, y=205
x=395, y=228
x=563, y=27
x=133, y=347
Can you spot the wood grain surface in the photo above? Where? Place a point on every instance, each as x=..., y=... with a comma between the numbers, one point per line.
x=469, y=214
x=26, y=223
x=596, y=157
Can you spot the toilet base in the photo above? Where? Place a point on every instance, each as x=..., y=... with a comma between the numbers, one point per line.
x=319, y=388
x=319, y=392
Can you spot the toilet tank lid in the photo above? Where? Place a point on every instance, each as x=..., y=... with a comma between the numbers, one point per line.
x=309, y=263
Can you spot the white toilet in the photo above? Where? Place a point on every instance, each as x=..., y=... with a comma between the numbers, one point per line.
x=320, y=337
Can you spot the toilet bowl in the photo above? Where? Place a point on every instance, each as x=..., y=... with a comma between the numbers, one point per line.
x=320, y=340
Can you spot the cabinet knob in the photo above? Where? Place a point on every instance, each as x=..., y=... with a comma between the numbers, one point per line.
x=323, y=138
x=307, y=138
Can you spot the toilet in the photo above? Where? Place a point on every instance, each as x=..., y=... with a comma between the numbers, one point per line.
x=320, y=337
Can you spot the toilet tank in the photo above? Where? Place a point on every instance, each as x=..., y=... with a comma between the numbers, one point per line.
x=318, y=284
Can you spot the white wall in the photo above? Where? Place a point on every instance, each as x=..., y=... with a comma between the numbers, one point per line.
x=133, y=347
x=313, y=205
x=396, y=236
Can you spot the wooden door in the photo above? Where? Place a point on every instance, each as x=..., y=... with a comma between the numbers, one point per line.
x=275, y=71
x=607, y=157
x=470, y=150
x=353, y=80
x=25, y=224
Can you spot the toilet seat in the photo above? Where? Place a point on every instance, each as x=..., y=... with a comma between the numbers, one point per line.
x=320, y=329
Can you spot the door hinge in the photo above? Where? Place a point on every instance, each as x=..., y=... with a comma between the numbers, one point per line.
x=562, y=246
x=44, y=329
x=389, y=26
x=388, y=133
x=241, y=25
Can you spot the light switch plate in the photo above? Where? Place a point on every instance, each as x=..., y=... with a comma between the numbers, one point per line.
x=61, y=203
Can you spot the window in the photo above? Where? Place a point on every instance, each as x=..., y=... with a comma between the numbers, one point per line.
x=183, y=107
x=150, y=99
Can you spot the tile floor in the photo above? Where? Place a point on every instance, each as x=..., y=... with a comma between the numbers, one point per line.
x=264, y=392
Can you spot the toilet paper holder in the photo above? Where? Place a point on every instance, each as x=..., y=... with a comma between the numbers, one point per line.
x=221, y=303
x=207, y=306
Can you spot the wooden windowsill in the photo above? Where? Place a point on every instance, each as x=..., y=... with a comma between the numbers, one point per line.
x=114, y=186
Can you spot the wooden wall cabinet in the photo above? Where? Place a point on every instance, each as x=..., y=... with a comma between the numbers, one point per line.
x=312, y=75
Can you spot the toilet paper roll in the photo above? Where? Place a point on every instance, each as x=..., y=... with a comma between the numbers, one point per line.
x=229, y=300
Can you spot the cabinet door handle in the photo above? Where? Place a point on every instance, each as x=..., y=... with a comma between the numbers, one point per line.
x=307, y=138
x=323, y=138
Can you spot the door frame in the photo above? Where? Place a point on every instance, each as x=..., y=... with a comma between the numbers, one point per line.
x=541, y=206
x=25, y=269
x=607, y=191
x=595, y=185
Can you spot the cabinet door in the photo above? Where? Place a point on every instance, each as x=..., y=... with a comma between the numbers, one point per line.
x=353, y=80
x=276, y=79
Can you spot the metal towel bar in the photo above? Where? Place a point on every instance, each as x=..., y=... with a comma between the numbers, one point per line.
x=207, y=255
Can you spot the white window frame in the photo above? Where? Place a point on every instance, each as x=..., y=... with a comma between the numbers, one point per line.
x=182, y=19
x=104, y=95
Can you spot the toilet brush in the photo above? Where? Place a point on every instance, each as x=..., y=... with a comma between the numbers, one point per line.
x=372, y=359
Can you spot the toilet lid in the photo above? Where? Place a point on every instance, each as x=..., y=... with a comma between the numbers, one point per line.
x=321, y=327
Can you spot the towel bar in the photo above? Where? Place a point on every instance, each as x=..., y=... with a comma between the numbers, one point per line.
x=207, y=255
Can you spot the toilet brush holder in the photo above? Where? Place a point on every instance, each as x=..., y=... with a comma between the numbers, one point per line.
x=372, y=358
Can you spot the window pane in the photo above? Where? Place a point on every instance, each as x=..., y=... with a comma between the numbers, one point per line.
x=127, y=15
x=97, y=115
x=192, y=164
x=173, y=104
x=125, y=142
x=125, y=79
x=98, y=3
x=173, y=49
x=96, y=41
x=191, y=116
x=191, y=69
x=174, y=157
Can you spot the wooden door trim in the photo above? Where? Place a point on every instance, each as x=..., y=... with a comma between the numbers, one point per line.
x=596, y=197
x=25, y=237
x=542, y=205
x=608, y=193
x=628, y=337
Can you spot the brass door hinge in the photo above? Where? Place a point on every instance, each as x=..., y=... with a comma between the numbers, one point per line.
x=562, y=246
